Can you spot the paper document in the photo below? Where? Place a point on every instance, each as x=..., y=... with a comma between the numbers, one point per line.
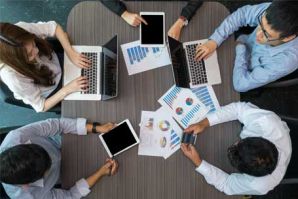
x=139, y=59
x=160, y=135
x=183, y=105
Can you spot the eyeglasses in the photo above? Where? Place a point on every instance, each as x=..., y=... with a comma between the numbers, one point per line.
x=267, y=36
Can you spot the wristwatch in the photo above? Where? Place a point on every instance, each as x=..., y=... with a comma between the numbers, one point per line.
x=185, y=21
x=94, y=124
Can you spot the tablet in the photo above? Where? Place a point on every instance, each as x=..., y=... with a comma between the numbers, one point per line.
x=153, y=34
x=119, y=139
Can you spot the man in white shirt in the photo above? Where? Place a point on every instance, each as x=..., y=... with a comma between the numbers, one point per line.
x=261, y=156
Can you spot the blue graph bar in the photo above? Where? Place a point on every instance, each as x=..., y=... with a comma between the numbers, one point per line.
x=140, y=52
x=144, y=52
x=147, y=50
x=133, y=54
x=130, y=56
x=137, y=54
x=153, y=50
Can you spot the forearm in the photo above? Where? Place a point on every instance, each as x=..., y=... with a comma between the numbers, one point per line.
x=116, y=6
x=55, y=99
x=94, y=178
x=63, y=39
x=190, y=9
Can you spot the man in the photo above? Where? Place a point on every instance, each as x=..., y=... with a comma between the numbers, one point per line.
x=133, y=19
x=30, y=160
x=261, y=156
x=267, y=54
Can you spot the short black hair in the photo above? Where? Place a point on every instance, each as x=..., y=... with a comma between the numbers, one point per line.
x=282, y=16
x=255, y=156
x=23, y=164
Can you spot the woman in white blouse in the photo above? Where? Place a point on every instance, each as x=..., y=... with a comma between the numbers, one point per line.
x=31, y=69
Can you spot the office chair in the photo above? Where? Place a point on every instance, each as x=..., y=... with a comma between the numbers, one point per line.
x=8, y=96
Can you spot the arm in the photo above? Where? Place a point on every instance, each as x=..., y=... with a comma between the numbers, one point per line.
x=233, y=184
x=190, y=9
x=244, y=16
x=187, y=13
x=268, y=70
x=116, y=6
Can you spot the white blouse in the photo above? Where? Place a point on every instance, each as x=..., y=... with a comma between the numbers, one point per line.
x=23, y=87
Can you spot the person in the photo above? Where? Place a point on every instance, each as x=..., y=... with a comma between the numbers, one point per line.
x=261, y=156
x=30, y=160
x=31, y=69
x=269, y=52
x=134, y=19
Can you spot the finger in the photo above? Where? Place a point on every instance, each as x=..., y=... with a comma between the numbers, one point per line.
x=84, y=64
x=114, y=168
x=142, y=19
x=203, y=56
x=85, y=60
x=199, y=54
x=137, y=22
x=189, y=129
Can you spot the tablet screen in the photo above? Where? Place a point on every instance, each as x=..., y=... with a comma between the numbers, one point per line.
x=153, y=32
x=119, y=138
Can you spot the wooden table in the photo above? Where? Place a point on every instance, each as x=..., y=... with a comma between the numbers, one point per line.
x=143, y=177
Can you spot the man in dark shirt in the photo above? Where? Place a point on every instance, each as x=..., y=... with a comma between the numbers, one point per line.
x=134, y=19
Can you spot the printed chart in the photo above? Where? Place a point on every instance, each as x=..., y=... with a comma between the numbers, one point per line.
x=139, y=59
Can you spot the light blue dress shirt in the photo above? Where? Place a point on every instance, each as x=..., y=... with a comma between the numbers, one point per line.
x=256, y=64
x=41, y=133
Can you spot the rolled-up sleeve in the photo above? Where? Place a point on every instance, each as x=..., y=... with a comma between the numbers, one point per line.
x=24, y=89
x=40, y=29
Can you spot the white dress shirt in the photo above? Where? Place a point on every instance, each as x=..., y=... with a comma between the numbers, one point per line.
x=23, y=87
x=257, y=123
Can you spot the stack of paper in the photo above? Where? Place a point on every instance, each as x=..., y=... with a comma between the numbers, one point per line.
x=160, y=135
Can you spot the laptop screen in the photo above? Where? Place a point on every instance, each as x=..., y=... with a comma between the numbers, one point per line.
x=179, y=63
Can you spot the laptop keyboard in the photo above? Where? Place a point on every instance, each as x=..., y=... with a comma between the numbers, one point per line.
x=91, y=73
x=197, y=69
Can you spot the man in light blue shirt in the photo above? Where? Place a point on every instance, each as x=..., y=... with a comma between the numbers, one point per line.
x=267, y=54
x=30, y=160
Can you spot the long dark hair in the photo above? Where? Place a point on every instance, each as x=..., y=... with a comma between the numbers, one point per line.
x=14, y=54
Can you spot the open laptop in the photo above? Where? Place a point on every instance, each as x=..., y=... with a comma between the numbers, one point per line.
x=188, y=73
x=102, y=74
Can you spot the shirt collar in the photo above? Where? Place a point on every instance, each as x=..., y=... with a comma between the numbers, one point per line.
x=38, y=183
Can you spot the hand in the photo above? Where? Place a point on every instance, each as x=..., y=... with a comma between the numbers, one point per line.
x=133, y=19
x=78, y=84
x=105, y=127
x=79, y=59
x=205, y=50
x=192, y=154
x=109, y=168
x=198, y=127
x=176, y=28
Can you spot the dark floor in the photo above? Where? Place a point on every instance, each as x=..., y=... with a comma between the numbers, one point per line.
x=282, y=101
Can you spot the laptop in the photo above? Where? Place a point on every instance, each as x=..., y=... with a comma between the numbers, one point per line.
x=188, y=73
x=102, y=75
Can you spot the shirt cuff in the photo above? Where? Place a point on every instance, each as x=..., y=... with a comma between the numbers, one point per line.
x=83, y=187
x=81, y=126
x=212, y=118
x=217, y=38
x=203, y=168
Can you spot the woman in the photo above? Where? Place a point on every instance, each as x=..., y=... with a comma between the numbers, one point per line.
x=31, y=69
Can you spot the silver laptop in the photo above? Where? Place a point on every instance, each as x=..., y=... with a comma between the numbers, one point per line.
x=188, y=73
x=102, y=75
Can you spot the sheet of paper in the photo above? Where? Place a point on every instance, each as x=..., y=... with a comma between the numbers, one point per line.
x=207, y=96
x=139, y=59
x=183, y=105
x=160, y=135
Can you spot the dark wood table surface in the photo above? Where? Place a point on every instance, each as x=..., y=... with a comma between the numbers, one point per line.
x=143, y=177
